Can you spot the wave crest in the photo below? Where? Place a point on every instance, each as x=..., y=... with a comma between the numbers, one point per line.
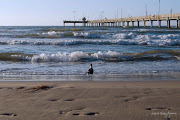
x=79, y=56
x=60, y=57
x=142, y=40
x=110, y=56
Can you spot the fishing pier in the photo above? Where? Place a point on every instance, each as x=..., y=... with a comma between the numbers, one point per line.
x=125, y=22
x=75, y=22
x=84, y=22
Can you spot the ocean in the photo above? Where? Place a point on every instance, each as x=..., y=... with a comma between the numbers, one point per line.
x=61, y=51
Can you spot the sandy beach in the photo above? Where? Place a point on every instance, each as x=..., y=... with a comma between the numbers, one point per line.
x=90, y=100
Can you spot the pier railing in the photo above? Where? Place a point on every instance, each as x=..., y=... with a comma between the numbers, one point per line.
x=141, y=18
x=117, y=21
x=120, y=22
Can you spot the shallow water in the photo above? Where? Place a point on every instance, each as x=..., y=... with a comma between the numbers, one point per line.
x=162, y=76
x=69, y=51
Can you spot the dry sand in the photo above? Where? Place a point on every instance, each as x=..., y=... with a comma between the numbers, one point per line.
x=89, y=100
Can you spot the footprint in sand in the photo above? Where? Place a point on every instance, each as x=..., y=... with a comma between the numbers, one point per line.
x=78, y=109
x=87, y=114
x=131, y=99
x=71, y=87
x=158, y=108
x=68, y=100
x=64, y=112
x=20, y=87
x=75, y=114
x=53, y=100
x=92, y=113
x=78, y=112
x=8, y=114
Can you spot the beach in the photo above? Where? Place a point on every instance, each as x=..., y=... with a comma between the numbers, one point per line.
x=43, y=73
x=90, y=100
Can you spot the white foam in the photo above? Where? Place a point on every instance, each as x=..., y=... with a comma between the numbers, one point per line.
x=51, y=33
x=60, y=57
x=169, y=36
x=139, y=40
x=79, y=56
x=128, y=38
x=87, y=35
x=124, y=35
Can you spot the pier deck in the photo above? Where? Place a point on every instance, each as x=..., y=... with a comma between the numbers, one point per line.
x=120, y=22
x=74, y=22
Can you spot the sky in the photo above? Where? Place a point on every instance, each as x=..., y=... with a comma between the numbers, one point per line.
x=53, y=12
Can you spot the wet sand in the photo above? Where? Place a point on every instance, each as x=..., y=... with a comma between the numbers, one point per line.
x=150, y=100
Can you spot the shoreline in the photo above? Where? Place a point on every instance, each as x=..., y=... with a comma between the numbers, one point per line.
x=132, y=100
x=96, y=84
x=156, y=76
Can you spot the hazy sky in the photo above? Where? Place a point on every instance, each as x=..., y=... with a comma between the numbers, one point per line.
x=53, y=12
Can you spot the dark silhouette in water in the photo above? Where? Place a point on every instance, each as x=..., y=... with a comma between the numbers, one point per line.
x=90, y=71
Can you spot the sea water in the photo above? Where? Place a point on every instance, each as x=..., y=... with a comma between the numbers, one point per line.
x=57, y=50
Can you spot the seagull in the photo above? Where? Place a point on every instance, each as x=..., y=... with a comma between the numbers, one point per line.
x=90, y=71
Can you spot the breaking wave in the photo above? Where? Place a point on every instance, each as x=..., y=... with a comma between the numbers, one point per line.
x=79, y=56
x=97, y=37
x=138, y=40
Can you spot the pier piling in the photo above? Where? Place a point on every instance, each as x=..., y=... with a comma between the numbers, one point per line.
x=144, y=23
x=132, y=23
x=137, y=23
x=177, y=26
x=127, y=24
x=151, y=23
x=159, y=24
